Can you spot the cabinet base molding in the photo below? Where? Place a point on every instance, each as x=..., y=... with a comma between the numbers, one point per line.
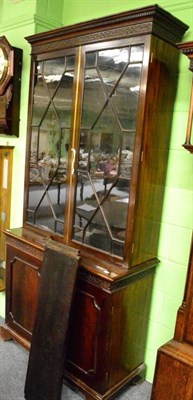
x=174, y=372
x=10, y=334
x=76, y=385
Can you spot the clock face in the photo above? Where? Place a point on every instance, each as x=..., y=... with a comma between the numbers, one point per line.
x=3, y=64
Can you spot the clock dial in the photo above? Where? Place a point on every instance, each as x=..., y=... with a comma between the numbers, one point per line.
x=3, y=64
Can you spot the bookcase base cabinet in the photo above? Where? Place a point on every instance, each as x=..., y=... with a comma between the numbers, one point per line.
x=108, y=321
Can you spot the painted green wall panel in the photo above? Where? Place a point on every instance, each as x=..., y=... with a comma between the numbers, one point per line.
x=49, y=15
x=11, y=9
x=178, y=215
x=183, y=90
x=166, y=273
x=179, y=120
x=19, y=144
x=82, y=10
x=157, y=332
x=179, y=170
x=165, y=306
x=174, y=243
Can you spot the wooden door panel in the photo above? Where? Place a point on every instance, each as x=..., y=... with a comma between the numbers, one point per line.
x=87, y=337
x=22, y=287
x=84, y=356
x=24, y=280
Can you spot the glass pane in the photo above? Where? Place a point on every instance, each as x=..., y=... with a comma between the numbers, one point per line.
x=52, y=73
x=92, y=104
x=63, y=100
x=107, y=136
x=70, y=62
x=84, y=150
x=111, y=65
x=65, y=137
x=91, y=59
x=101, y=213
x=50, y=134
x=40, y=93
x=126, y=95
x=34, y=146
x=47, y=207
x=136, y=53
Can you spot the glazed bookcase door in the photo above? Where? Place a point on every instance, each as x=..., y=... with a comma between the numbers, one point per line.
x=82, y=161
x=112, y=79
x=50, y=135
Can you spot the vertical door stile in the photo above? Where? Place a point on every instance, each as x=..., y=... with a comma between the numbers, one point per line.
x=73, y=145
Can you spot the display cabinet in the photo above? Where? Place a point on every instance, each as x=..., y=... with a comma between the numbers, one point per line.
x=100, y=114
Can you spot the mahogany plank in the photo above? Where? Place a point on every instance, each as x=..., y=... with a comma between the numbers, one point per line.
x=45, y=367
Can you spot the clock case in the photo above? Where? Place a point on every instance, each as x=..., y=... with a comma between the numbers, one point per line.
x=10, y=85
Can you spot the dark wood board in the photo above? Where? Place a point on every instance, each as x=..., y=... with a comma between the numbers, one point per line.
x=47, y=353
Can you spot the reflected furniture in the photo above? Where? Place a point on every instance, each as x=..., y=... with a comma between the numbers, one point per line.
x=174, y=366
x=99, y=123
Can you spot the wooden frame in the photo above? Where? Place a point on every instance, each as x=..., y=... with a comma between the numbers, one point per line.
x=6, y=157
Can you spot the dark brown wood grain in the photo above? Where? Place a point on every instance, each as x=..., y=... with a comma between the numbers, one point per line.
x=47, y=353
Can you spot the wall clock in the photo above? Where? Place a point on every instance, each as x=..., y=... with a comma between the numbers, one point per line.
x=10, y=83
x=3, y=64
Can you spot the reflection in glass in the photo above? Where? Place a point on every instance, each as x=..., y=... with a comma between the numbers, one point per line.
x=107, y=135
x=136, y=53
x=96, y=103
x=50, y=131
x=61, y=102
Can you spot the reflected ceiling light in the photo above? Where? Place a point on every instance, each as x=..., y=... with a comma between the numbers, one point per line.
x=135, y=88
x=116, y=54
x=52, y=78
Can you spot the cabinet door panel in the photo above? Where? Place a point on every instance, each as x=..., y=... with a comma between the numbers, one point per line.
x=86, y=303
x=22, y=286
x=24, y=282
x=88, y=331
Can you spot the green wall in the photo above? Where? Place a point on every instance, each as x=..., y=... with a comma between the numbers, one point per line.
x=24, y=17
